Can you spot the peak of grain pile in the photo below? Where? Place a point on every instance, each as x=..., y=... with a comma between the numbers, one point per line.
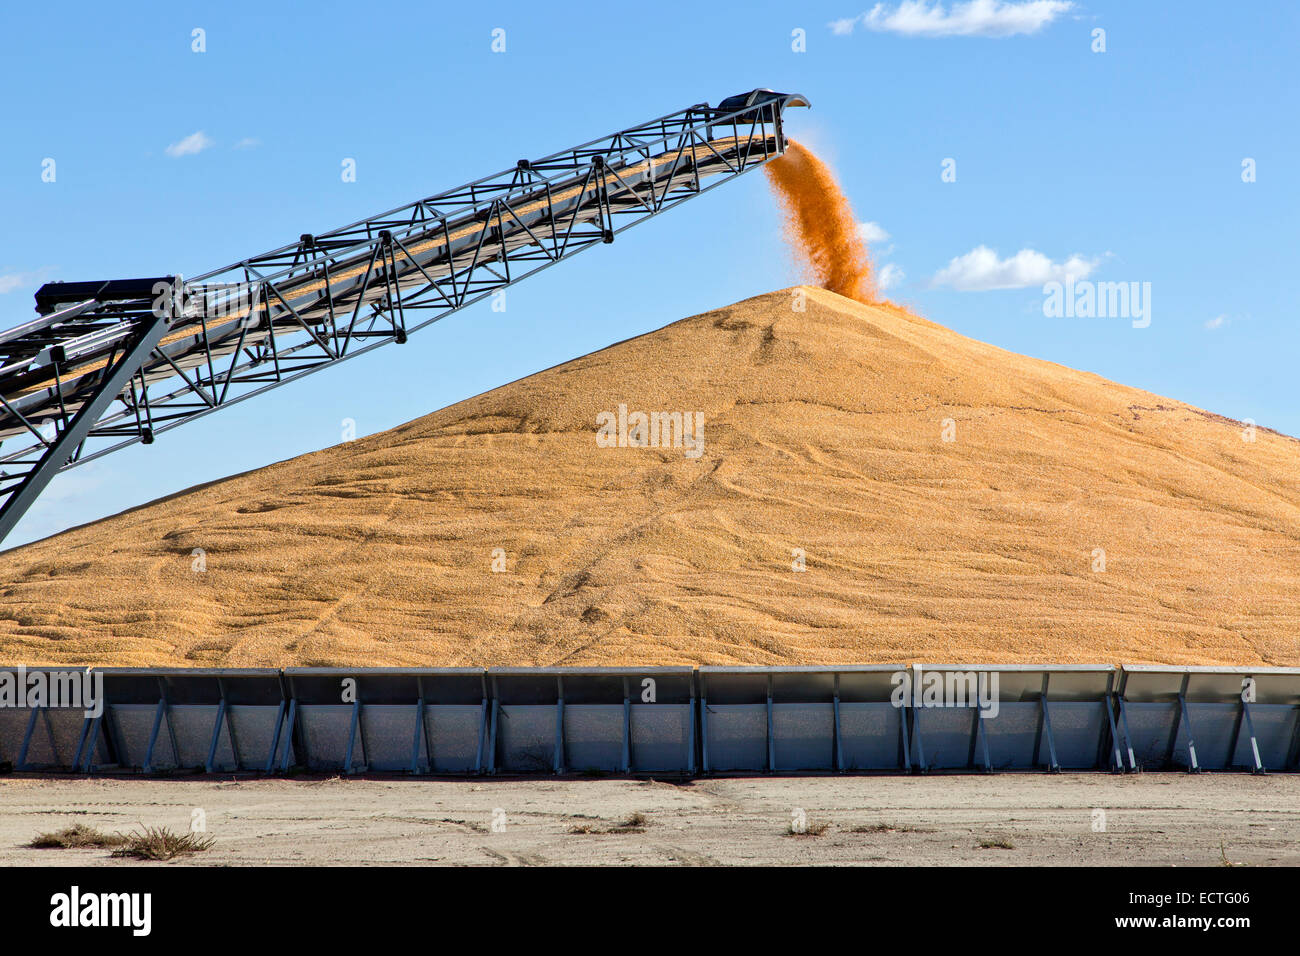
x=823, y=431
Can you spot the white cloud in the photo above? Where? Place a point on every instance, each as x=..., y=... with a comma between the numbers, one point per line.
x=890, y=275
x=872, y=232
x=248, y=142
x=10, y=281
x=982, y=18
x=1218, y=322
x=14, y=280
x=981, y=269
x=190, y=145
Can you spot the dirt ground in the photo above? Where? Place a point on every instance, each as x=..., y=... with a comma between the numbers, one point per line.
x=1151, y=819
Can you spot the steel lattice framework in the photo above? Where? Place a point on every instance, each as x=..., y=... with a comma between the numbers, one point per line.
x=117, y=362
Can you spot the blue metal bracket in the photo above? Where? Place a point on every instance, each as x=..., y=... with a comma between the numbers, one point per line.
x=922, y=766
x=839, y=742
x=81, y=740
x=153, y=736
x=1118, y=758
x=482, y=735
x=88, y=742
x=704, y=727
x=559, y=724
x=1191, y=743
x=982, y=736
x=1128, y=737
x=419, y=729
x=904, y=733
x=216, y=737
x=428, y=734
x=627, y=729
x=352, y=734
x=288, y=743
x=690, y=739
x=492, y=733
x=1053, y=766
x=21, y=762
x=1293, y=752
x=771, y=738
x=275, y=738
x=230, y=728
x=1179, y=712
x=1254, y=743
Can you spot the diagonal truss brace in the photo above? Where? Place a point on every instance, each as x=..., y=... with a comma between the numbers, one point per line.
x=65, y=444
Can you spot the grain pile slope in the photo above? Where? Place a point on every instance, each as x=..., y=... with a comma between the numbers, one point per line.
x=824, y=431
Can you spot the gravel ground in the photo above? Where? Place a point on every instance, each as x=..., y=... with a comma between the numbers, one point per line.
x=1151, y=819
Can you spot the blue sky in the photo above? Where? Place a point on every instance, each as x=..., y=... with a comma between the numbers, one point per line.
x=1124, y=164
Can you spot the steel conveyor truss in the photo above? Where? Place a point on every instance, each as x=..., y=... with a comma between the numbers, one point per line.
x=111, y=363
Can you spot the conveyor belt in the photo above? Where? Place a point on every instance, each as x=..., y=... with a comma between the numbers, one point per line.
x=110, y=363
